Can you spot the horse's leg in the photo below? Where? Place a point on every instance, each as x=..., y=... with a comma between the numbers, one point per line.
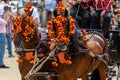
x=95, y=75
x=22, y=78
x=102, y=71
x=24, y=68
x=85, y=77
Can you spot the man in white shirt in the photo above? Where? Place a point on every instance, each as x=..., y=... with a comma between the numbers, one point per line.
x=5, y=3
x=35, y=13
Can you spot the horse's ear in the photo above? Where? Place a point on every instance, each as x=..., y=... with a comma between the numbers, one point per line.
x=55, y=13
x=30, y=13
x=66, y=13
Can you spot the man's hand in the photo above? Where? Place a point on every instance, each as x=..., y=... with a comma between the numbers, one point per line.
x=79, y=1
x=92, y=12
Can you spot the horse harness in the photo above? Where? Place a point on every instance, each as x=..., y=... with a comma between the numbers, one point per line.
x=42, y=61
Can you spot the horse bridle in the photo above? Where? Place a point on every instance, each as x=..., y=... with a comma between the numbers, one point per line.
x=61, y=47
x=22, y=49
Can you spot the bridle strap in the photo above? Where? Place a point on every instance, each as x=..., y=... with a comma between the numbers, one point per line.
x=27, y=44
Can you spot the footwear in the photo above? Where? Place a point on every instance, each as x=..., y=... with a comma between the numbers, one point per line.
x=11, y=56
x=3, y=66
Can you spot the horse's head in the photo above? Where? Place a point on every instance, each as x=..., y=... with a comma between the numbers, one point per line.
x=25, y=28
x=62, y=27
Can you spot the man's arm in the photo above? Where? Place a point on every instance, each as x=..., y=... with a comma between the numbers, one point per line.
x=107, y=7
x=2, y=22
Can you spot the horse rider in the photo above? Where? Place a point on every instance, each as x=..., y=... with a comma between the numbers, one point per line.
x=79, y=10
x=100, y=16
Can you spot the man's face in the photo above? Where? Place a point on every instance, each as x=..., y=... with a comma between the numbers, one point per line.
x=73, y=2
x=7, y=1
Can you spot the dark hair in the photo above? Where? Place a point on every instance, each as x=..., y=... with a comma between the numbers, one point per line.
x=6, y=8
x=6, y=1
x=55, y=13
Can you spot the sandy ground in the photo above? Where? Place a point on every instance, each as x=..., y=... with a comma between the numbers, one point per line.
x=13, y=73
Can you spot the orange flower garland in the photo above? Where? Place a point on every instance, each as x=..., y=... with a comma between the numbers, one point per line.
x=60, y=7
x=59, y=21
x=29, y=31
x=28, y=7
x=61, y=37
x=19, y=60
x=17, y=22
x=86, y=39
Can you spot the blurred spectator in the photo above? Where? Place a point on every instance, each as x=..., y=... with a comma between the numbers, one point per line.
x=5, y=3
x=64, y=2
x=116, y=21
x=43, y=14
x=50, y=5
x=36, y=14
x=3, y=22
x=100, y=16
x=20, y=6
x=8, y=31
x=0, y=2
x=80, y=12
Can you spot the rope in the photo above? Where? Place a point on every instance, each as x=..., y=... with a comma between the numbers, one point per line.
x=36, y=68
x=47, y=58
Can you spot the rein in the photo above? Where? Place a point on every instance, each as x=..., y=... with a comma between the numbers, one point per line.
x=39, y=64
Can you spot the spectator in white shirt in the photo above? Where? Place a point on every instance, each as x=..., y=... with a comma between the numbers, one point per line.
x=5, y=3
x=35, y=14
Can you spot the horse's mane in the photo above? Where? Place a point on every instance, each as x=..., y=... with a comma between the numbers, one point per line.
x=97, y=33
x=25, y=29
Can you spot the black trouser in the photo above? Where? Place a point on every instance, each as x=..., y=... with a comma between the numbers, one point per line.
x=74, y=46
x=82, y=18
x=95, y=22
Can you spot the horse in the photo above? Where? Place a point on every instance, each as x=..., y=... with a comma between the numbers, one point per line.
x=27, y=39
x=82, y=64
x=25, y=42
x=79, y=63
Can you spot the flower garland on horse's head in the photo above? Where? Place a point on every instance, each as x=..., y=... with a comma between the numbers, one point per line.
x=17, y=22
x=59, y=20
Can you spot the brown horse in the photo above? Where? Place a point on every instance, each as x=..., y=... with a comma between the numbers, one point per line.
x=26, y=46
x=82, y=62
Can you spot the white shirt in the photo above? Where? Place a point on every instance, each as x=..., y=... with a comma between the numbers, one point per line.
x=50, y=4
x=35, y=14
x=2, y=25
x=2, y=5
